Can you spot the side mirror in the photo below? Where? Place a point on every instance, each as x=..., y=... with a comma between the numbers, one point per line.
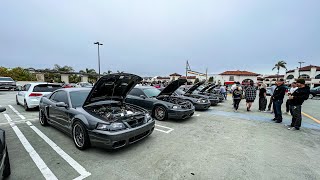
x=2, y=109
x=61, y=104
x=143, y=96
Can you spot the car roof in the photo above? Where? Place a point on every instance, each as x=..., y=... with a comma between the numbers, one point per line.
x=74, y=89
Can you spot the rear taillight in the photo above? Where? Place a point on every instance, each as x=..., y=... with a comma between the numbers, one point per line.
x=35, y=94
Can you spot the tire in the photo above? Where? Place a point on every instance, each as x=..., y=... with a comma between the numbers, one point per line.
x=25, y=105
x=42, y=118
x=17, y=101
x=160, y=113
x=311, y=96
x=7, y=168
x=80, y=136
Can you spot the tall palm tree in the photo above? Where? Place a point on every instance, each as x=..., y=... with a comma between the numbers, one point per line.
x=278, y=66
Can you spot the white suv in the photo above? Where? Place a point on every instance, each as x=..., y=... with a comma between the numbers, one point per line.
x=31, y=93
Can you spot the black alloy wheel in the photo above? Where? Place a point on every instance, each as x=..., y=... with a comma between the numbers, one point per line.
x=80, y=136
x=17, y=101
x=160, y=113
x=25, y=105
x=42, y=118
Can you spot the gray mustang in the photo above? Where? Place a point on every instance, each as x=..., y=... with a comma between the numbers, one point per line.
x=98, y=116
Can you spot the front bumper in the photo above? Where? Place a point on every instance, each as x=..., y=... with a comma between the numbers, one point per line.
x=214, y=102
x=202, y=106
x=116, y=140
x=180, y=113
x=7, y=86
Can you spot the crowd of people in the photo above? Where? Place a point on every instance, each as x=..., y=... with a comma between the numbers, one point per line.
x=297, y=94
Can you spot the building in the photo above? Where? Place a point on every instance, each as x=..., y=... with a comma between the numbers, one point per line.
x=158, y=79
x=174, y=76
x=310, y=73
x=191, y=79
x=230, y=77
x=272, y=79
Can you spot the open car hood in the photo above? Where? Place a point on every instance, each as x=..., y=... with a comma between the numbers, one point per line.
x=194, y=87
x=206, y=88
x=112, y=87
x=172, y=87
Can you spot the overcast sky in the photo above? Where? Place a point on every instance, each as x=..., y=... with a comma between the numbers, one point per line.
x=149, y=37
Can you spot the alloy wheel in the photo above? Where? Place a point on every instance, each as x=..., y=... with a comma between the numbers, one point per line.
x=78, y=135
x=160, y=113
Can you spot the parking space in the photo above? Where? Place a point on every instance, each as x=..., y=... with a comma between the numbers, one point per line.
x=213, y=144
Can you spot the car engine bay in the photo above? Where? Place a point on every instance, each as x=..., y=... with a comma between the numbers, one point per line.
x=176, y=100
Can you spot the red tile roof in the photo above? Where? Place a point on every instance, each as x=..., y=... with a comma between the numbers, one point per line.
x=239, y=73
x=175, y=74
x=189, y=77
x=274, y=76
x=159, y=77
x=306, y=68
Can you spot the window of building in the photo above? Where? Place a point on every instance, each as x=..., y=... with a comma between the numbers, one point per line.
x=231, y=78
x=304, y=76
x=290, y=77
x=317, y=76
x=274, y=79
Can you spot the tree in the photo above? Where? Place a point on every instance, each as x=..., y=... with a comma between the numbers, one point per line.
x=18, y=74
x=278, y=66
x=210, y=79
x=196, y=81
x=63, y=68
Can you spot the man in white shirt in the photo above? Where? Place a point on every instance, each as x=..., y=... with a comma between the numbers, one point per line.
x=273, y=87
x=291, y=91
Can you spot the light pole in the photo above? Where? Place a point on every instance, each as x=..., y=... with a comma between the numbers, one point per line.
x=99, y=44
x=301, y=62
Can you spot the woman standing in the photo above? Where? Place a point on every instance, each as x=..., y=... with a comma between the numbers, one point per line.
x=263, y=98
x=251, y=94
x=237, y=95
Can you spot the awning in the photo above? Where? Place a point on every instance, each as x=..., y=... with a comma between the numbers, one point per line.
x=229, y=82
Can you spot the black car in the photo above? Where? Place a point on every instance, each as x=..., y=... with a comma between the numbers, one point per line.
x=192, y=92
x=210, y=90
x=98, y=116
x=5, y=169
x=314, y=92
x=200, y=103
x=160, y=103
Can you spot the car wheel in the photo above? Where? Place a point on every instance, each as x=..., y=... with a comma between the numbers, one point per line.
x=25, y=105
x=7, y=168
x=17, y=101
x=160, y=113
x=80, y=136
x=42, y=118
x=311, y=96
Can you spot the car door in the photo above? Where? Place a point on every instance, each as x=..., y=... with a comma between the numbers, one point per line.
x=139, y=98
x=60, y=115
x=21, y=94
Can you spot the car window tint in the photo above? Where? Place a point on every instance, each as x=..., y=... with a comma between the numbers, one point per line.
x=136, y=92
x=26, y=87
x=152, y=92
x=61, y=96
x=78, y=98
x=46, y=87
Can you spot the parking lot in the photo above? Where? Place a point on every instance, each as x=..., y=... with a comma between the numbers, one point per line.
x=213, y=144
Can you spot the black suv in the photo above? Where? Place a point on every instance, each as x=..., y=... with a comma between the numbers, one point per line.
x=314, y=92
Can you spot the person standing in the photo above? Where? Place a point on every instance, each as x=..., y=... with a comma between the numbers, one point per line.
x=273, y=87
x=263, y=98
x=237, y=95
x=291, y=91
x=277, y=99
x=250, y=94
x=223, y=91
x=296, y=100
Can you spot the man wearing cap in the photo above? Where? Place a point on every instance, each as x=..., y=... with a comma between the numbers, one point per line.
x=296, y=100
x=277, y=98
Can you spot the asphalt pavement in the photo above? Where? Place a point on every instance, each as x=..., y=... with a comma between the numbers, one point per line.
x=213, y=144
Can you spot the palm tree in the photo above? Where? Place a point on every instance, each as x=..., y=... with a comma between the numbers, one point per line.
x=278, y=66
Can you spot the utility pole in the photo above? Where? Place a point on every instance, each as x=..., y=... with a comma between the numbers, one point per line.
x=187, y=64
x=207, y=74
x=300, y=62
x=99, y=44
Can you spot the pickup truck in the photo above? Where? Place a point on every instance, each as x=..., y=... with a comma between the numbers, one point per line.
x=7, y=83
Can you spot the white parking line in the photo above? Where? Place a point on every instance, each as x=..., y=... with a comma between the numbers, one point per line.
x=74, y=164
x=14, y=110
x=44, y=169
x=168, y=131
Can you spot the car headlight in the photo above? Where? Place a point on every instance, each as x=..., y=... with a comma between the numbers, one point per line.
x=176, y=107
x=201, y=101
x=110, y=127
x=147, y=117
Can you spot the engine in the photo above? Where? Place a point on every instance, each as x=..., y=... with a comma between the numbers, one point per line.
x=176, y=100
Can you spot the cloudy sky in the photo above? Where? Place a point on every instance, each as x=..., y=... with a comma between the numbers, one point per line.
x=150, y=37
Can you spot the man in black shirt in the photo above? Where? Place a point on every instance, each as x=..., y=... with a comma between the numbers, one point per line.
x=296, y=100
x=277, y=98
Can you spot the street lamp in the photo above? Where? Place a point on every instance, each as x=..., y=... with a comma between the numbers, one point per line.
x=301, y=62
x=99, y=44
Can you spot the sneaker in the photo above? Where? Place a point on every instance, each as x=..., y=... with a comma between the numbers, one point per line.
x=278, y=121
x=293, y=129
x=288, y=125
x=265, y=111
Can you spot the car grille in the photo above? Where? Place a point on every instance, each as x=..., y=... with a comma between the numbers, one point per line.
x=186, y=105
x=138, y=137
x=135, y=121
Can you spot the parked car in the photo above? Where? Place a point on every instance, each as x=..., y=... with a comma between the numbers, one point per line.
x=5, y=168
x=30, y=94
x=211, y=90
x=84, y=84
x=193, y=92
x=69, y=85
x=160, y=103
x=200, y=103
x=98, y=116
x=314, y=92
x=7, y=83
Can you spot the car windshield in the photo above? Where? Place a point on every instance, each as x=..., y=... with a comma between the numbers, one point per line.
x=6, y=79
x=46, y=87
x=78, y=97
x=179, y=92
x=152, y=92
